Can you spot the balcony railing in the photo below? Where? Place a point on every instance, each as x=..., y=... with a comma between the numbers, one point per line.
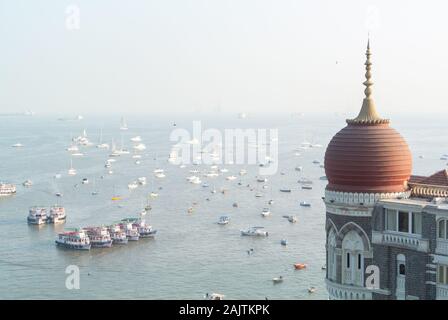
x=400, y=240
x=442, y=292
x=338, y=291
x=442, y=247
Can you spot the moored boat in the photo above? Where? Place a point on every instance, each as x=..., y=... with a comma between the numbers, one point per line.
x=74, y=239
x=117, y=235
x=99, y=237
x=130, y=230
x=223, y=220
x=7, y=189
x=57, y=215
x=37, y=215
x=254, y=231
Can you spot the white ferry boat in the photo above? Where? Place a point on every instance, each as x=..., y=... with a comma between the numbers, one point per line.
x=130, y=230
x=99, y=237
x=145, y=230
x=37, y=215
x=117, y=235
x=7, y=189
x=57, y=215
x=74, y=239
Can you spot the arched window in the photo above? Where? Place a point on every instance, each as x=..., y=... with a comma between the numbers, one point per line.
x=442, y=229
x=400, y=292
x=353, y=262
x=331, y=254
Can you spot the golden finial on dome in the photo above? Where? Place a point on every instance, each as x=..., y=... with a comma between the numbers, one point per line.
x=368, y=114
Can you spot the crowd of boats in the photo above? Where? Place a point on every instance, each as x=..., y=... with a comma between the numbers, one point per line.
x=118, y=233
x=133, y=229
x=40, y=215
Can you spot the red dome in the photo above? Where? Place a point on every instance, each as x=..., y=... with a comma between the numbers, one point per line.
x=370, y=158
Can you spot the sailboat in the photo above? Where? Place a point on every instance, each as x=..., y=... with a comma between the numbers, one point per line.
x=71, y=171
x=102, y=145
x=115, y=152
x=122, y=150
x=95, y=190
x=123, y=124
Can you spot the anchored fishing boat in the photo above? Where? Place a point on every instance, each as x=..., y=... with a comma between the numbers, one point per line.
x=74, y=239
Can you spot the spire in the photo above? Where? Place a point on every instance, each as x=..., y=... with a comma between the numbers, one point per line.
x=368, y=114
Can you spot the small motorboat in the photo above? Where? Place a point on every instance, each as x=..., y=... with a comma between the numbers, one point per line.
x=304, y=181
x=311, y=289
x=300, y=266
x=305, y=204
x=255, y=231
x=27, y=183
x=262, y=180
x=284, y=242
x=214, y=296
x=132, y=185
x=223, y=220
x=271, y=202
x=292, y=219
x=299, y=169
x=307, y=187
x=17, y=145
x=58, y=194
x=258, y=195
x=277, y=280
x=285, y=190
x=266, y=212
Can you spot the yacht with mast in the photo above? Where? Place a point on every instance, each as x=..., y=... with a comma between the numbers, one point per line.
x=71, y=170
x=101, y=144
x=123, y=124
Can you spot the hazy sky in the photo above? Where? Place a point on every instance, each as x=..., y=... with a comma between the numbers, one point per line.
x=241, y=55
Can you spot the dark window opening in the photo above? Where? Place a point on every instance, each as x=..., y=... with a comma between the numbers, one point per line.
x=402, y=269
x=403, y=221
